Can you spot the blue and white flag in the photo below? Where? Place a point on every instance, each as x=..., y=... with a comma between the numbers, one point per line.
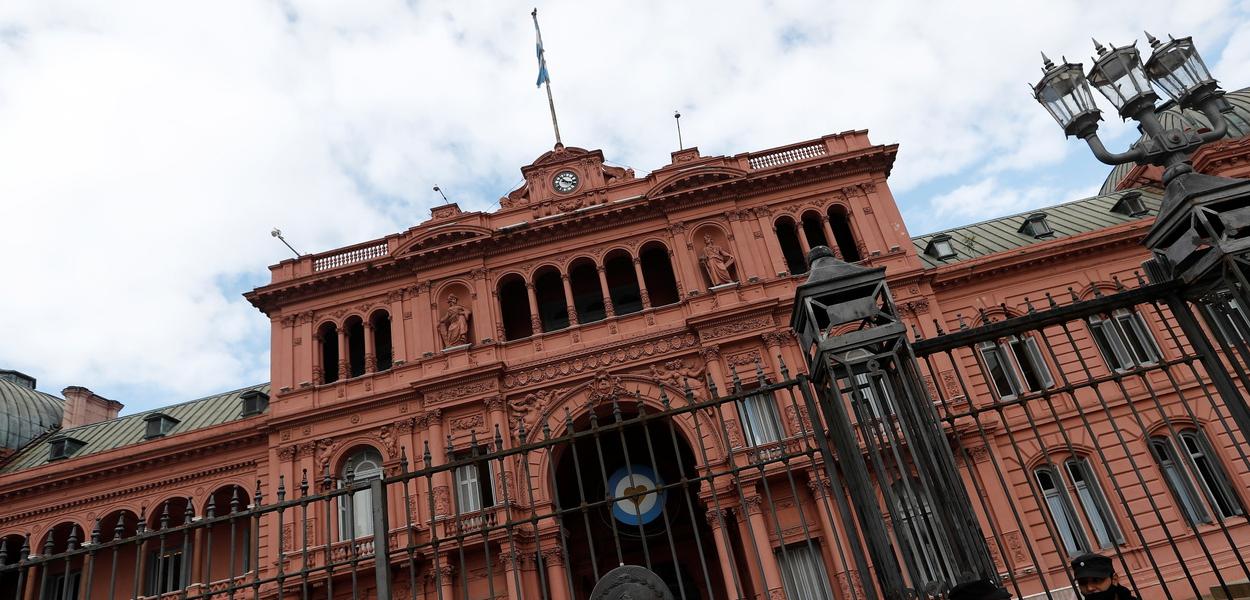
x=542, y=61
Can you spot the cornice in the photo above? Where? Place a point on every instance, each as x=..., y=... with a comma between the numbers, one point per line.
x=349, y=405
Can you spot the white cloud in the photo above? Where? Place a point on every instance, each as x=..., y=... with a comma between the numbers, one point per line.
x=146, y=148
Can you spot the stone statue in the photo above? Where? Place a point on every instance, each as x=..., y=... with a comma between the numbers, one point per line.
x=718, y=262
x=454, y=326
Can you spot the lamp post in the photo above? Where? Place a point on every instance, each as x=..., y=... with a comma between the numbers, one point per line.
x=1200, y=241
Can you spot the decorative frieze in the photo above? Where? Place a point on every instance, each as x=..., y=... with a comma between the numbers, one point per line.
x=525, y=376
x=723, y=330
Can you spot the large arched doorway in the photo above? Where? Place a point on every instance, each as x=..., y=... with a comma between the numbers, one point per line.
x=618, y=522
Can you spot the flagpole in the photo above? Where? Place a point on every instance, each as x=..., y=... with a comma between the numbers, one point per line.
x=544, y=78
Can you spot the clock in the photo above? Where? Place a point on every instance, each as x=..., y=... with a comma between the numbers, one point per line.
x=565, y=181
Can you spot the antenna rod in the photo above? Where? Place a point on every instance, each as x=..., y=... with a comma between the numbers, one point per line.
x=440, y=193
x=677, y=117
x=278, y=234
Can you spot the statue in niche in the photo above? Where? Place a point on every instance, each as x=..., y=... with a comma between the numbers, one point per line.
x=453, y=327
x=718, y=261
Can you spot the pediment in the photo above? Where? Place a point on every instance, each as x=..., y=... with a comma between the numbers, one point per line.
x=695, y=177
x=443, y=235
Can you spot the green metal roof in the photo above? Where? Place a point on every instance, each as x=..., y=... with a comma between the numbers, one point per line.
x=1173, y=117
x=128, y=430
x=26, y=414
x=1002, y=234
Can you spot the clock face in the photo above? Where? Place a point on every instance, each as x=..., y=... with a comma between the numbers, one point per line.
x=565, y=181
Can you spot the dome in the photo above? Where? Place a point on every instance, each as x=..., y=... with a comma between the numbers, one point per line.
x=25, y=413
x=1173, y=117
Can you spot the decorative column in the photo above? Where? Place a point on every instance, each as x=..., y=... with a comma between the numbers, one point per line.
x=536, y=323
x=743, y=252
x=438, y=456
x=343, y=372
x=716, y=518
x=728, y=410
x=317, y=368
x=833, y=241
x=557, y=581
x=510, y=559
x=603, y=288
x=766, y=232
x=771, y=576
x=642, y=284
x=681, y=253
x=821, y=489
x=480, y=295
x=442, y=576
x=801, y=234
x=371, y=357
x=425, y=311
x=399, y=344
x=568, y=299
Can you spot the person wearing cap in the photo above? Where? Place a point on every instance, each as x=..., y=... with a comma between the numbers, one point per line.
x=980, y=589
x=1096, y=579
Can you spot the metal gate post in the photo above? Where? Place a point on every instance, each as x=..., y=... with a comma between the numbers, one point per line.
x=886, y=433
x=381, y=538
x=1220, y=378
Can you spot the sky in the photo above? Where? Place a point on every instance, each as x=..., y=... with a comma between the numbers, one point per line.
x=148, y=148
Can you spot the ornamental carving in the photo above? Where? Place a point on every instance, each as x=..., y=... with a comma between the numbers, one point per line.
x=718, y=262
x=717, y=517
x=394, y=296
x=605, y=388
x=753, y=504
x=553, y=556
x=468, y=389
x=467, y=423
x=306, y=317
x=286, y=453
x=735, y=435
x=453, y=325
x=325, y=450
x=442, y=501
x=389, y=436
x=1016, y=546
x=676, y=374
x=525, y=408
x=798, y=418
x=740, y=359
x=735, y=327
x=307, y=449
x=774, y=339
x=819, y=486
x=289, y=320
x=599, y=359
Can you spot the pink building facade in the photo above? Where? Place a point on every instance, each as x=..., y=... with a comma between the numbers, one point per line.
x=591, y=283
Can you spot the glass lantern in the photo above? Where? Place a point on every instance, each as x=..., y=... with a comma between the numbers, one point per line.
x=1065, y=94
x=1118, y=75
x=1179, y=71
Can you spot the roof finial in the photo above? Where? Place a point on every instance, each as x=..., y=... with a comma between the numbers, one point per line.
x=1154, y=41
x=1099, y=47
x=1046, y=64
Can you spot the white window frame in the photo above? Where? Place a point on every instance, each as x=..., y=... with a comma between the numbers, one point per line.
x=803, y=572
x=1115, y=338
x=993, y=355
x=365, y=464
x=1210, y=475
x=1059, y=507
x=469, y=490
x=1230, y=321
x=1178, y=481
x=1027, y=356
x=1093, y=502
x=761, y=423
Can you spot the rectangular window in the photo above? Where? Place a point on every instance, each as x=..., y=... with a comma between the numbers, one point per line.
x=1097, y=511
x=999, y=371
x=1029, y=360
x=60, y=586
x=760, y=422
x=164, y=572
x=475, y=486
x=1230, y=320
x=1211, y=475
x=803, y=572
x=1061, y=512
x=1124, y=340
x=1180, y=485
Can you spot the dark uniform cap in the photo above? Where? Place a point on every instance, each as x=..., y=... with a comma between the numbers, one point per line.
x=981, y=589
x=1093, y=566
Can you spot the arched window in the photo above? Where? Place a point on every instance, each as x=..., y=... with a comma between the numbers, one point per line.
x=328, y=338
x=1124, y=340
x=587, y=293
x=355, y=327
x=356, y=515
x=1077, y=479
x=1059, y=505
x=168, y=566
x=1202, y=470
x=788, y=238
x=549, y=290
x=840, y=223
x=618, y=267
x=231, y=540
x=10, y=554
x=657, y=273
x=119, y=524
x=383, y=352
x=814, y=230
x=514, y=306
x=61, y=578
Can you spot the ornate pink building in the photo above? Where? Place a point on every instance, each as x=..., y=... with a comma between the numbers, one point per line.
x=588, y=285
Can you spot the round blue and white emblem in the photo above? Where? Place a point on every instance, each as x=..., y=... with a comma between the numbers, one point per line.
x=638, y=502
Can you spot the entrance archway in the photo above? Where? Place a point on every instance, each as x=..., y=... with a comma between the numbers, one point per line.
x=608, y=474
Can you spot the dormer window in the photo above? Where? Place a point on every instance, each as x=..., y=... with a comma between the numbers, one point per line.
x=1130, y=204
x=1036, y=226
x=158, y=425
x=940, y=247
x=254, y=402
x=61, y=447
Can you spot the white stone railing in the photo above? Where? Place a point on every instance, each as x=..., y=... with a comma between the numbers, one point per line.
x=351, y=256
x=787, y=155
